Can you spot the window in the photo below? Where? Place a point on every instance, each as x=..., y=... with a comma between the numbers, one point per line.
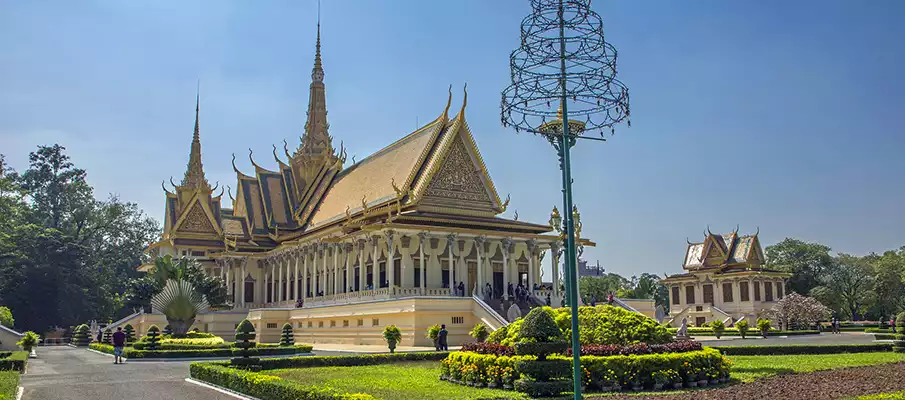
x=708, y=294
x=332, y=324
x=779, y=291
x=197, y=253
x=361, y=322
x=310, y=324
x=756, y=291
x=700, y=321
x=300, y=324
x=689, y=294
x=768, y=291
x=458, y=320
x=271, y=325
x=675, y=295
x=727, y=292
x=320, y=324
x=345, y=323
x=743, y=291
x=375, y=322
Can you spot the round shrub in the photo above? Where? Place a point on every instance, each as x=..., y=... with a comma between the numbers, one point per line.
x=479, y=332
x=108, y=336
x=152, y=338
x=81, y=337
x=129, y=331
x=742, y=327
x=539, y=327
x=393, y=336
x=718, y=327
x=286, y=338
x=245, y=348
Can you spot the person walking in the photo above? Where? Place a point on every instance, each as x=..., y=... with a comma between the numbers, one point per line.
x=119, y=341
x=100, y=335
x=441, y=338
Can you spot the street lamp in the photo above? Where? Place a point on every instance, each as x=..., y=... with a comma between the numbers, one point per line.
x=564, y=62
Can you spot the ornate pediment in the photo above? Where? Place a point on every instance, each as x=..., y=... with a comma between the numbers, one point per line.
x=459, y=178
x=197, y=221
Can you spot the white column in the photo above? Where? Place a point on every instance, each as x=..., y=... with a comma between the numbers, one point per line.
x=241, y=282
x=326, y=251
x=451, y=243
x=505, y=249
x=391, y=263
x=295, y=277
x=479, y=243
x=554, y=257
x=362, y=275
x=532, y=264
x=422, y=236
x=335, y=269
x=375, y=267
x=228, y=267
x=305, y=272
x=347, y=253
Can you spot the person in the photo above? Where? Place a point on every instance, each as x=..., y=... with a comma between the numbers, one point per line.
x=548, y=301
x=509, y=290
x=119, y=341
x=441, y=339
x=100, y=335
x=593, y=301
x=300, y=303
x=461, y=288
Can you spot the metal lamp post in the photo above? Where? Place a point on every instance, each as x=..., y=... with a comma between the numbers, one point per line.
x=565, y=69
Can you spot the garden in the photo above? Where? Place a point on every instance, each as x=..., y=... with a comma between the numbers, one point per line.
x=12, y=363
x=621, y=352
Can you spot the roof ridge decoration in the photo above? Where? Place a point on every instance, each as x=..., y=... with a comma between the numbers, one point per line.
x=280, y=163
x=194, y=172
x=239, y=173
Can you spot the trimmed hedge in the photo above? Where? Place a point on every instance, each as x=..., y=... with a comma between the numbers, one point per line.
x=129, y=352
x=878, y=330
x=9, y=384
x=603, y=324
x=885, y=336
x=349, y=361
x=13, y=361
x=803, y=349
x=620, y=371
x=734, y=332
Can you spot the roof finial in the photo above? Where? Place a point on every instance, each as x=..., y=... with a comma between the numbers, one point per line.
x=194, y=172
x=464, y=100
x=448, y=103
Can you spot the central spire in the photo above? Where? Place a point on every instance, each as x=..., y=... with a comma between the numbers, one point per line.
x=194, y=173
x=316, y=140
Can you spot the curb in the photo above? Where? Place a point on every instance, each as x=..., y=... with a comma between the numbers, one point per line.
x=184, y=359
x=20, y=392
x=220, y=389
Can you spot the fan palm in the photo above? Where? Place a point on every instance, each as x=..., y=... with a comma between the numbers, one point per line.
x=180, y=303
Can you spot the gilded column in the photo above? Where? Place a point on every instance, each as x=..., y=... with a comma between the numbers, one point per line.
x=422, y=237
x=451, y=242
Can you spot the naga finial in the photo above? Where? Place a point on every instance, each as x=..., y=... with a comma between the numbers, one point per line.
x=364, y=202
x=348, y=213
x=448, y=103
x=505, y=204
x=175, y=186
x=286, y=149
x=229, y=191
x=163, y=185
x=399, y=192
x=687, y=241
x=515, y=217
x=758, y=231
x=216, y=185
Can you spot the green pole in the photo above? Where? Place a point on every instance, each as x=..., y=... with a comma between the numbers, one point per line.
x=570, y=267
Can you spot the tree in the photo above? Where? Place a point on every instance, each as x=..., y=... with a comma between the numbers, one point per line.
x=850, y=279
x=180, y=303
x=889, y=282
x=647, y=286
x=806, y=261
x=6, y=317
x=602, y=286
x=797, y=311
x=141, y=290
x=58, y=191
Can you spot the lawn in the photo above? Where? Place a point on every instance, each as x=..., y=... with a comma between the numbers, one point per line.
x=402, y=381
x=419, y=380
x=9, y=384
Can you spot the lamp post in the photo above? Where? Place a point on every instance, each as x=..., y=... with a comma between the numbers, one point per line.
x=563, y=60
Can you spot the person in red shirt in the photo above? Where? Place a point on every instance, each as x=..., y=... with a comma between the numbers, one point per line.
x=119, y=341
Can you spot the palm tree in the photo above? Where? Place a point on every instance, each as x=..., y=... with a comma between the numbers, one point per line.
x=180, y=303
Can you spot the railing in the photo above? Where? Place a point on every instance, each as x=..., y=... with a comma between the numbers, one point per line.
x=497, y=318
x=133, y=315
x=408, y=291
x=437, y=291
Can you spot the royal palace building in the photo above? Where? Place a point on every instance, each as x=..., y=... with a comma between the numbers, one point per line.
x=384, y=240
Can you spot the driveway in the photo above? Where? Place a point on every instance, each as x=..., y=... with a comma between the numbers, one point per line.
x=66, y=373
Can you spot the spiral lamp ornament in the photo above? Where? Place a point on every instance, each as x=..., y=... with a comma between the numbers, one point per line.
x=564, y=85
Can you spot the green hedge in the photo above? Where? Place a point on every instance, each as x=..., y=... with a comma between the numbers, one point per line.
x=885, y=336
x=202, y=353
x=13, y=361
x=603, y=324
x=621, y=371
x=182, y=346
x=734, y=332
x=878, y=330
x=803, y=349
x=268, y=387
x=9, y=384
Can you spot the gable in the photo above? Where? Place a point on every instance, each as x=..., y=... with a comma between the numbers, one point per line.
x=198, y=219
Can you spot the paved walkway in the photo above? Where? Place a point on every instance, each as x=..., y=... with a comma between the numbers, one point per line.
x=754, y=340
x=325, y=348
x=66, y=373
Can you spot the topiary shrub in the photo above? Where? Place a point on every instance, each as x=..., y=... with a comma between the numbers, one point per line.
x=287, y=339
x=152, y=338
x=108, y=336
x=244, y=352
x=82, y=337
x=742, y=327
x=392, y=335
x=129, y=330
x=763, y=325
x=433, y=333
x=167, y=330
x=479, y=332
x=898, y=345
x=598, y=325
x=718, y=327
x=539, y=336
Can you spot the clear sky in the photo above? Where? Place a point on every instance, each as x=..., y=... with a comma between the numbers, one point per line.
x=782, y=115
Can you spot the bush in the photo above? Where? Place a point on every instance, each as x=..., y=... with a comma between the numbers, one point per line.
x=433, y=332
x=264, y=387
x=763, y=325
x=742, y=327
x=349, y=361
x=479, y=332
x=9, y=384
x=640, y=348
x=392, y=335
x=29, y=341
x=108, y=336
x=245, y=348
x=81, y=337
x=878, y=330
x=885, y=336
x=489, y=348
x=131, y=352
x=168, y=331
x=603, y=324
x=803, y=349
x=152, y=338
x=286, y=338
x=6, y=317
x=129, y=330
x=718, y=327
x=13, y=361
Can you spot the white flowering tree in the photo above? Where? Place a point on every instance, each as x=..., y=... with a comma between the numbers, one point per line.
x=795, y=310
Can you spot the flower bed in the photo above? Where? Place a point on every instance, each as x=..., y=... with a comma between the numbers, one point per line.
x=605, y=373
x=13, y=361
x=263, y=350
x=268, y=387
x=803, y=349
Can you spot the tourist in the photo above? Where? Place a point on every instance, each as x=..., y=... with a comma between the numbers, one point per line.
x=461, y=288
x=119, y=341
x=509, y=290
x=441, y=339
x=300, y=303
x=100, y=335
x=548, y=301
x=593, y=301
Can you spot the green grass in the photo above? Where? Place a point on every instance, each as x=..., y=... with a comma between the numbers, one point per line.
x=749, y=368
x=9, y=384
x=420, y=380
x=884, y=396
x=403, y=381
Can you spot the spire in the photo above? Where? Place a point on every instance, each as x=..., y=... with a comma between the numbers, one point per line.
x=194, y=173
x=316, y=141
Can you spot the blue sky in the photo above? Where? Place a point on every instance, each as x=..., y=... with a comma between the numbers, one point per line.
x=782, y=115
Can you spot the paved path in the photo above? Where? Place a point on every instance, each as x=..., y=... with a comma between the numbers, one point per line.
x=753, y=340
x=67, y=373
